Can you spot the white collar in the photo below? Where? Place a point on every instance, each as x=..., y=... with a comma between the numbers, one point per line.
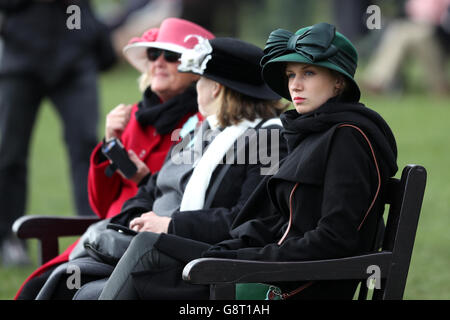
x=213, y=121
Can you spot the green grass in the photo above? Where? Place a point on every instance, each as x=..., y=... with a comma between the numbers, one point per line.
x=419, y=122
x=420, y=125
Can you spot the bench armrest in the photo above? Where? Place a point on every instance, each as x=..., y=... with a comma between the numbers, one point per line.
x=47, y=229
x=216, y=271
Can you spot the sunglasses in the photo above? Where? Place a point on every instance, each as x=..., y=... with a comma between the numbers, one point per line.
x=170, y=56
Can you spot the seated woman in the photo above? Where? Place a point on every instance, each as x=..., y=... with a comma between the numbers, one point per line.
x=324, y=202
x=241, y=127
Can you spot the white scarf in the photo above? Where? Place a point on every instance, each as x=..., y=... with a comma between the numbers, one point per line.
x=194, y=194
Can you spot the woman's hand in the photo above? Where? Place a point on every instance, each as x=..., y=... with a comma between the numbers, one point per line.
x=142, y=169
x=116, y=121
x=150, y=222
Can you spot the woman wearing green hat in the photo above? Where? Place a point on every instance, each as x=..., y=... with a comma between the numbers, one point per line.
x=325, y=200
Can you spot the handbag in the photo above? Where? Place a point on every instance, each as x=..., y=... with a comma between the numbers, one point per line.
x=109, y=245
x=91, y=232
x=104, y=241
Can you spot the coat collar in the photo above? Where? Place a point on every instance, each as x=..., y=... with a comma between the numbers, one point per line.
x=298, y=127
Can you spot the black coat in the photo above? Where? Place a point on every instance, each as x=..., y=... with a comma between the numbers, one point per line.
x=230, y=187
x=337, y=179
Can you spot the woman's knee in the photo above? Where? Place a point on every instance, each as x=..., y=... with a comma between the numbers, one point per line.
x=142, y=250
x=142, y=243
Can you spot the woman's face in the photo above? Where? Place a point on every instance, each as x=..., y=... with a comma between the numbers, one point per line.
x=206, y=96
x=310, y=86
x=166, y=81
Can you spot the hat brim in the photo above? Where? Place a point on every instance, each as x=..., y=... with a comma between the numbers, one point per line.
x=261, y=91
x=136, y=55
x=274, y=75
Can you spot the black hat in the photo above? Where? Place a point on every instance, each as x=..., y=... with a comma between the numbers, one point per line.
x=231, y=62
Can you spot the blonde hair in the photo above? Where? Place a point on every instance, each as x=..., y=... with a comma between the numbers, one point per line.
x=144, y=81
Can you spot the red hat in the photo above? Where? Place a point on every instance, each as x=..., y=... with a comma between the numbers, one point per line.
x=171, y=36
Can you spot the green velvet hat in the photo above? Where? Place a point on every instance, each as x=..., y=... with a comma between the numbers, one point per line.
x=319, y=45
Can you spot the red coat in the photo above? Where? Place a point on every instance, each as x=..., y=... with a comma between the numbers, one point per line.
x=107, y=194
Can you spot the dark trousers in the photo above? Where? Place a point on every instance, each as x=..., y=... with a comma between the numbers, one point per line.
x=76, y=101
x=146, y=273
x=140, y=256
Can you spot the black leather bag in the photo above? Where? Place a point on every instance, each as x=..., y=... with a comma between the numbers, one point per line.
x=109, y=245
x=104, y=241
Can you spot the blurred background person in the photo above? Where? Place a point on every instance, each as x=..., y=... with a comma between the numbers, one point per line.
x=349, y=16
x=126, y=19
x=422, y=32
x=43, y=58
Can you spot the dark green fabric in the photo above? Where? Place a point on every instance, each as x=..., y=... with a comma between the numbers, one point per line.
x=251, y=291
x=315, y=43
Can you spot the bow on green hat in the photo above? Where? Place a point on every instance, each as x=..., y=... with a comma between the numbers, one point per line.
x=319, y=45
